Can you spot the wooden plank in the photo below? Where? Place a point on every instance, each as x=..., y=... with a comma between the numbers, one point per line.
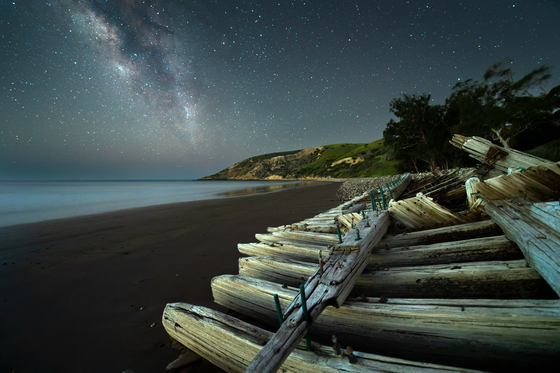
x=507, y=279
x=539, y=243
x=520, y=331
x=355, y=208
x=548, y=213
x=422, y=212
x=308, y=253
x=343, y=266
x=299, y=237
x=476, y=249
x=479, y=148
x=445, y=234
x=231, y=344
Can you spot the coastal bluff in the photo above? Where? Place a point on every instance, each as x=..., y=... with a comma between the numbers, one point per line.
x=329, y=161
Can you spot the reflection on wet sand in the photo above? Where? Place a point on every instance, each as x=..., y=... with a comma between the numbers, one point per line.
x=264, y=189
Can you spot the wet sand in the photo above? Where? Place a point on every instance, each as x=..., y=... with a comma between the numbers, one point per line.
x=82, y=294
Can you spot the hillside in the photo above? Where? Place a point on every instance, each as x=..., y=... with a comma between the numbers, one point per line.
x=329, y=161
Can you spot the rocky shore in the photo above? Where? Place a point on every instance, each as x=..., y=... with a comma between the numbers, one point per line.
x=354, y=187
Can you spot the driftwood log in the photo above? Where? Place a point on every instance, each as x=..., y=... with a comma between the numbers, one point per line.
x=537, y=240
x=497, y=158
x=476, y=249
x=232, y=344
x=457, y=232
x=463, y=332
x=511, y=279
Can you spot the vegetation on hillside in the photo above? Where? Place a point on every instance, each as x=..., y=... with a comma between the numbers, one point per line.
x=336, y=161
x=515, y=113
x=350, y=160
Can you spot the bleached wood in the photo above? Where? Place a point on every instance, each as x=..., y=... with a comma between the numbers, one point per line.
x=299, y=237
x=548, y=213
x=470, y=187
x=231, y=344
x=422, y=212
x=507, y=279
x=345, y=263
x=540, y=244
x=519, y=331
x=476, y=249
x=458, y=232
x=478, y=148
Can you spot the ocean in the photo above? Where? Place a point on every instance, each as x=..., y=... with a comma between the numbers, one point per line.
x=34, y=201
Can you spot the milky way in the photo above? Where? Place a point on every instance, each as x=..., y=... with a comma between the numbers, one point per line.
x=181, y=89
x=139, y=45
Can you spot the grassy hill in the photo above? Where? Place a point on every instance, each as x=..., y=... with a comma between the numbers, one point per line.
x=329, y=161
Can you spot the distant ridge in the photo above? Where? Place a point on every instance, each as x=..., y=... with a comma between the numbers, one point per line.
x=329, y=161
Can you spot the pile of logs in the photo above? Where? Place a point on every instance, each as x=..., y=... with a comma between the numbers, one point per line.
x=453, y=289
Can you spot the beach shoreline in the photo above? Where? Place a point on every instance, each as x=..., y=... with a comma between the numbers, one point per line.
x=87, y=293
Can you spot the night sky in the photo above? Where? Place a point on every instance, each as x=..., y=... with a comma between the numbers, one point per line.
x=131, y=89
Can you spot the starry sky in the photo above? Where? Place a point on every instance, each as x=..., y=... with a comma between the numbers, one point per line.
x=170, y=89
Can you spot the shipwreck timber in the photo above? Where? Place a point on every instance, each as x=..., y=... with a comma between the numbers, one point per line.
x=474, y=285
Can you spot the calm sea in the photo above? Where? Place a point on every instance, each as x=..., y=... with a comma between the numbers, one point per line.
x=34, y=201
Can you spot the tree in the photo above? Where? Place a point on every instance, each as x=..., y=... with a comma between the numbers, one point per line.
x=420, y=133
x=501, y=108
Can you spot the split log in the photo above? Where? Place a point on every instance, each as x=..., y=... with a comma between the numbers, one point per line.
x=525, y=332
x=548, y=213
x=422, y=212
x=535, y=184
x=493, y=155
x=539, y=243
x=324, y=239
x=472, y=193
x=232, y=344
x=443, y=184
x=306, y=227
x=465, y=231
x=477, y=249
x=306, y=253
x=512, y=279
x=355, y=208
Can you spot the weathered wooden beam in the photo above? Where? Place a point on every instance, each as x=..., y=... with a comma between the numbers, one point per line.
x=299, y=237
x=473, y=250
x=523, y=332
x=548, y=213
x=535, y=184
x=476, y=249
x=231, y=345
x=355, y=208
x=328, y=285
x=511, y=279
x=458, y=232
x=539, y=243
x=494, y=155
x=422, y=212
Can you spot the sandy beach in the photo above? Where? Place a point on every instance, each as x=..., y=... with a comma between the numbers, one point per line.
x=83, y=294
